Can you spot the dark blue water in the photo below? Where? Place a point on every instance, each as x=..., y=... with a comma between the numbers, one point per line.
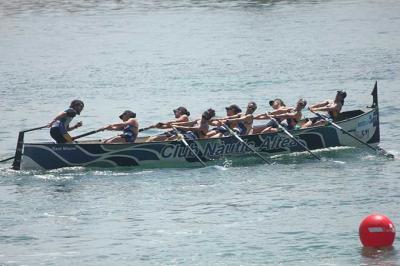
x=152, y=56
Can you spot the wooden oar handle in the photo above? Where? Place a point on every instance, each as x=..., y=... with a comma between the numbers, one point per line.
x=33, y=129
x=87, y=134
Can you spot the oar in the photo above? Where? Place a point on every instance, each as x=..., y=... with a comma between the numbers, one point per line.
x=5, y=160
x=20, y=144
x=233, y=133
x=377, y=150
x=145, y=128
x=182, y=138
x=33, y=129
x=293, y=138
x=87, y=134
x=101, y=129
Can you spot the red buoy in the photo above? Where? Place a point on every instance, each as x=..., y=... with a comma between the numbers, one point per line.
x=377, y=231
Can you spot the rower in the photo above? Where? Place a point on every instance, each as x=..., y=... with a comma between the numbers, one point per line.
x=332, y=107
x=232, y=111
x=129, y=127
x=59, y=126
x=279, y=108
x=292, y=116
x=181, y=115
x=244, y=124
x=197, y=129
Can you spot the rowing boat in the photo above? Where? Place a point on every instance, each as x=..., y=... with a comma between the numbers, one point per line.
x=363, y=124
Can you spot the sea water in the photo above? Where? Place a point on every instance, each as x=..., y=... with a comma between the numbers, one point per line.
x=153, y=56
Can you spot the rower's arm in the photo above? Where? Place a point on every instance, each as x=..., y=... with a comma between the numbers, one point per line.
x=239, y=119
x=228, y=117
x=331, y=107
x=281, y=111
x=286, y=115
x=233, y=116
x=118, y=126
x=181, y=119
x=217, y=121
x=58, y=117
x=79, y=124
x=261, y=117
x=160, y=125
x=275, y=112
x=184, y=124
x=319, y=105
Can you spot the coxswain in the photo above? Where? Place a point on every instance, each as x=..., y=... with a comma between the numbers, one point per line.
x=59, y=126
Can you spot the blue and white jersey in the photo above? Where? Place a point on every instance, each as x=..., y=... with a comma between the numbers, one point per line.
x=129, y=133
x=63, y=123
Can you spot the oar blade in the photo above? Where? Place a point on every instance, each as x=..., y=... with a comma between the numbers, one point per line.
x=383, y=152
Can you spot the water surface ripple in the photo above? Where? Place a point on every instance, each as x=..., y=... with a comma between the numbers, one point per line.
x=152, y=56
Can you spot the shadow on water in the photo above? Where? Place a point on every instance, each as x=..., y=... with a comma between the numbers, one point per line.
x=383, y=256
